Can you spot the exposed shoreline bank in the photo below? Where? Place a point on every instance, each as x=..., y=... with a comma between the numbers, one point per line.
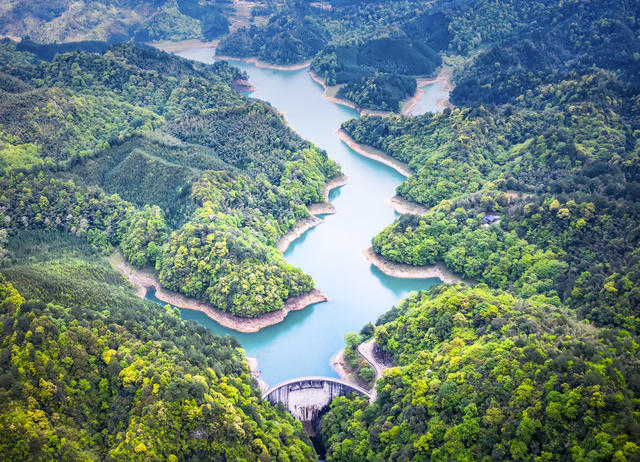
x=256, y=62
x=375, y=154
x=301, y=227
x=319, y=208
x=366, y=352
x=443, y=78
x=401, y=270
x=330, y=95
x=345, y=374
x=183, y=45
x=254, y=371
x=141, y=281
x=405, y=207
x=338, y=365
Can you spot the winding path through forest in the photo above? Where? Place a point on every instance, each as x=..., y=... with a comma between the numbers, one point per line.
x=366, y=351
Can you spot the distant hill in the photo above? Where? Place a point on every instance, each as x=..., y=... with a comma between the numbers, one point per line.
x=104, y=20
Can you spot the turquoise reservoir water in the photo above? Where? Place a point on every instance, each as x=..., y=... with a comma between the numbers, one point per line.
x=429, y=101
x=306, y=340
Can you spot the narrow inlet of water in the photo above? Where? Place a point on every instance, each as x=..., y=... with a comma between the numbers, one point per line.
x=304, y=343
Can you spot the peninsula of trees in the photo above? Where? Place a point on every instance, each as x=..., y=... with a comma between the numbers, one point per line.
x=156, y=155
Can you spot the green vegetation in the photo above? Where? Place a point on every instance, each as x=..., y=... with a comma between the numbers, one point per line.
x=142, y=20
x=381, y=91
x=234, y=178
x=539, y=360
x=341, y=64
x=90, y=372
x=362, y=372
x=285, y=39
x=376, y=72
x=482, y=375
x=557, y=163
x=370, y=46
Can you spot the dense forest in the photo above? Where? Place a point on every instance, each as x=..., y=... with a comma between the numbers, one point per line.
x=484, y=375
x=555, y=161
x=234, y=177
x=375, y=48
x=287, y=38
x=113, y=21
x=88, y=371
x=377, y=72
x=532, y=183
x=531, y=179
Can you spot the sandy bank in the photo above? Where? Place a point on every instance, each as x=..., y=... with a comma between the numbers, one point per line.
x=375, y=154
x=142, y=280
x=241, y=85
x=176, y=47
x=338, y=365
x=301, y=227
x=410, y=103
x=256, y=62
x=366, y=352
x=443, y=77
x=446, y=84
x=345, y=374
x=333, y=183
x=319, y=208
x=255, y=372
x=405, y=207
x=330, y=93
x=400, y=270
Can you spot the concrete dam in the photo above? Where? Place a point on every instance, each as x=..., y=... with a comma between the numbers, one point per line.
x=308, y=397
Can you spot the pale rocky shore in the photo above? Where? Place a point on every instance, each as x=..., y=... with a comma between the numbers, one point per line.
x=401, y=270
x=256, y=62
x=254, y=370
x=320, y=208
x=405, y=207
x=375, y=154
x=366, y=352
x=183, y=45
x=301, y=227
x=444, y=78
x=143, y=280
x=330, y=92
x=338, y=365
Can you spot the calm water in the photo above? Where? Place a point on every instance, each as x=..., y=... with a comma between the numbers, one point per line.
x=429, y=101
x=331, y=253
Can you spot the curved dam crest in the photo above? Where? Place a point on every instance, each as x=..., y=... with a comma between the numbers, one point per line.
x=308, y=397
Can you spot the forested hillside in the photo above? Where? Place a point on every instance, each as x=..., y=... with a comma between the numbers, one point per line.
x=288, y=37
x=533, y=188
x=375, y=48
x=483, y=375
x=531, y=180
x=113, y=21
x=90, y=372
x=136, y=149
x=376, y=72
x=555, y=157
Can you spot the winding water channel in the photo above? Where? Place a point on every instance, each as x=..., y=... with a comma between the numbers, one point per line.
x=331, y=253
